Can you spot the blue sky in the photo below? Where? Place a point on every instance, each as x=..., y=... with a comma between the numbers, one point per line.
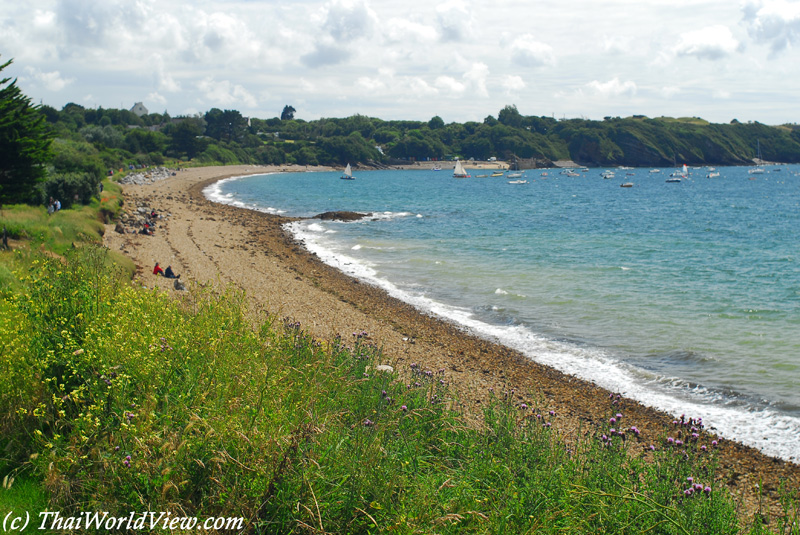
x=461, y=60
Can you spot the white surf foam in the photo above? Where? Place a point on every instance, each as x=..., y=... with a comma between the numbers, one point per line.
x=765, y=429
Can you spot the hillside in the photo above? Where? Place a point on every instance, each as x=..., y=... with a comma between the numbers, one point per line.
x=119, y=138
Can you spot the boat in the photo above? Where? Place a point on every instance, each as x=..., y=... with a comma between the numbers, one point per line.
x=712, y=174
x=676, y=176
x=626, y=185
x=514, y=175
x=436, y=168
x=497, y=174
x=607, y=174
x=459, y=171
x=572, y=173
x=347, y=174
x=481, y=176
x=757, y=170
x=655, y=170
x=517, y=181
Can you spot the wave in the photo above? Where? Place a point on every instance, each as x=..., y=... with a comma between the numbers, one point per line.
x=732, y=416
x=214, y=193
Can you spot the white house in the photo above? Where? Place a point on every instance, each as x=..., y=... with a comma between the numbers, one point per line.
x=139, y=109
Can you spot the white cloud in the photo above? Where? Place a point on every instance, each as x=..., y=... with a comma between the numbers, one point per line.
x=407, y=31
x=512, y=83
x=526, y=51
x=347, y=20
x=476, y=78
x=712, y=43
x=371, y=85
x=669, y=91
x=420, y=88
x=326, y=53
x=343, y=24
x=156, y=98
x=164, y=79
x=773, y=22
x=612, y=88
x=454, y=20
x=450, y=85
x=52, y=81
x=226, y=94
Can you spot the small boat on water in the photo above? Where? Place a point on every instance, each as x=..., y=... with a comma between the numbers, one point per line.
x=655, y=170
x=347, y=174
x=712, y=174
x=497, y=174
x=459, y=171
x=436, y=168
x=514, y=175
x=481, y=176
x=517, y=181
x=758, y=169
x=607, y=174
x=678, y=175
x=626, y=185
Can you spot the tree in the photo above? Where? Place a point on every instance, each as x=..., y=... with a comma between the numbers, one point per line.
x=509, y=116
x=288, y=113
x=435, y=123
x=24, y=144
x=228, y=125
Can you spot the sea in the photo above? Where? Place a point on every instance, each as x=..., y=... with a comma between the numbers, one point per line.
x=683, y=295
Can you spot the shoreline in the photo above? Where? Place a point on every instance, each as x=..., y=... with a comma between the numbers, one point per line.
x=210, y=243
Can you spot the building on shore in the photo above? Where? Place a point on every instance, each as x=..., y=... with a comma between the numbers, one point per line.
x=139, y=109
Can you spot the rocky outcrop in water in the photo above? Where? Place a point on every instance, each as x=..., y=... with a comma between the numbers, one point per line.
x=341, y=216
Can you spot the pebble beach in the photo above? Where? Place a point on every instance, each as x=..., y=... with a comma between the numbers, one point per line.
x=221, y=246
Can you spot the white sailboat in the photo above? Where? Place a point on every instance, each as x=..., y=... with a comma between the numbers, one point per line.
x=678, y=175
x=347, y=174
x=459, y=171
x=757, y=170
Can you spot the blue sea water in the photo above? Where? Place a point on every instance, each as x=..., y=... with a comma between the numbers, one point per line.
x=684, y=296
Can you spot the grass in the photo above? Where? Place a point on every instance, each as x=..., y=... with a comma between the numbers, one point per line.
x=32, y=231
x=123, y=397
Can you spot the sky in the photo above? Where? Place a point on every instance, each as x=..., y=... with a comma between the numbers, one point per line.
x=460, y=60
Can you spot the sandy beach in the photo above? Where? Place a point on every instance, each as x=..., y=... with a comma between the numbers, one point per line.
x=212, y=244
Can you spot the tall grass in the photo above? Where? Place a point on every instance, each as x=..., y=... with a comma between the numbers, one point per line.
x=120, y=399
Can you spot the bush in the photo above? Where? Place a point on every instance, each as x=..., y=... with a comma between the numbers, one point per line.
x=72, y=188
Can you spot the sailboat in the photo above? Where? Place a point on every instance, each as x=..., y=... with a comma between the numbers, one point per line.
x=678, y=175
x=347, y=174
x=757, y=170
x=459, y=172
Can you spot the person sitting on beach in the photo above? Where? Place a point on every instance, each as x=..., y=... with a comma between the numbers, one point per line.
x=168, y=273
x=146, y=230
x=153, y=214
x=157, y=270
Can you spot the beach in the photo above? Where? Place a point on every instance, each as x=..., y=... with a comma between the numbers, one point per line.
x=219, y=245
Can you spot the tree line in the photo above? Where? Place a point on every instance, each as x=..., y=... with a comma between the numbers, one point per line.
x=65, y=153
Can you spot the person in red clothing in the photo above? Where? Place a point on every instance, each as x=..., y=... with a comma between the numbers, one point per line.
x=157, y=270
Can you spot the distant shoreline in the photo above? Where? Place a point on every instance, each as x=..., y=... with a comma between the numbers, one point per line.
x=212, y=242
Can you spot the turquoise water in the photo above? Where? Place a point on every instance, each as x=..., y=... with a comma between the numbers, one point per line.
x=684, y=296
